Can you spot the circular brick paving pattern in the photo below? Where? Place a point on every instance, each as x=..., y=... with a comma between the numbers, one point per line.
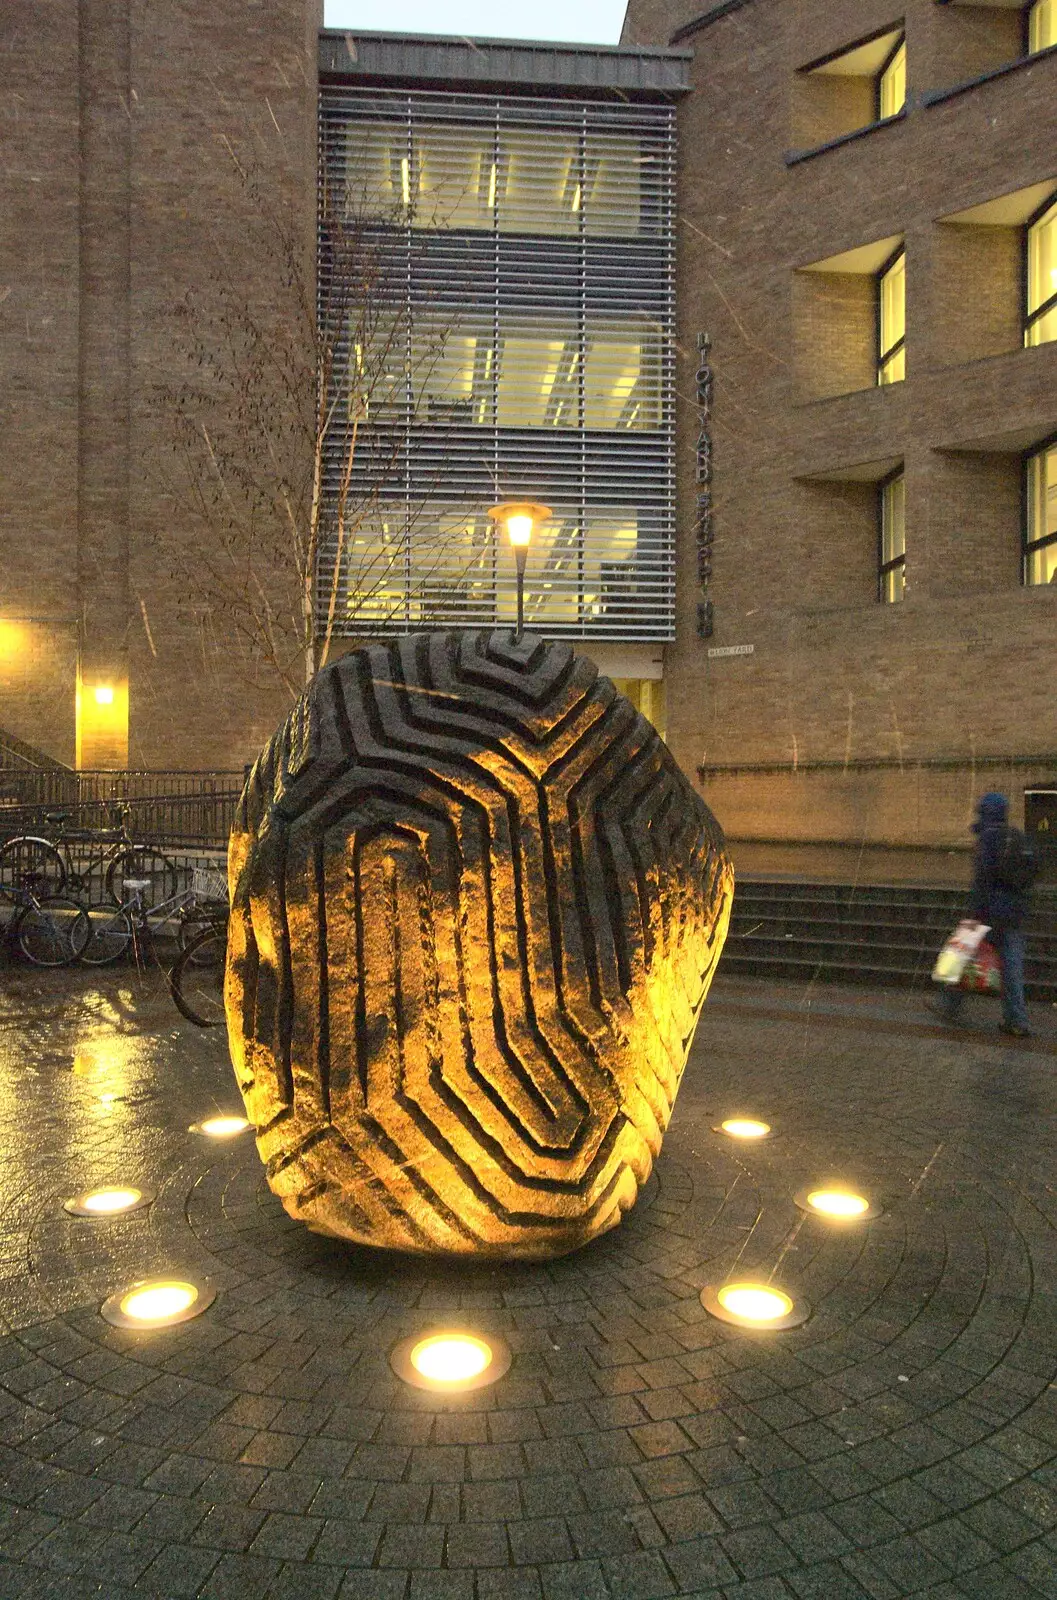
x=903, y=1441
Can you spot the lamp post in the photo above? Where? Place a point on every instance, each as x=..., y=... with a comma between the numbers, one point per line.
x=519, y=517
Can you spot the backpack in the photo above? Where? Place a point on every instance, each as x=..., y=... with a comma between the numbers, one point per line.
x=1016, y=868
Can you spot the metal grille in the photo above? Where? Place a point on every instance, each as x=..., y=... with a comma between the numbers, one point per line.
x=519, y=345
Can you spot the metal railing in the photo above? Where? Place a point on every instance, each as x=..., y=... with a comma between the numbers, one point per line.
x=172, y=809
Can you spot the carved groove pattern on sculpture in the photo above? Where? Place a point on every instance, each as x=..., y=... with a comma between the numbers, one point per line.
x=476, y=909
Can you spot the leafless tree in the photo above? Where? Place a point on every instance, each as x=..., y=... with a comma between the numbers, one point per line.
x=285, y=432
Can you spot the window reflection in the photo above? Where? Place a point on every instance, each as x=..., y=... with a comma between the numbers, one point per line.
x=1040, y=553
x=891, y=355
x=893, y=539
x=1041, y=325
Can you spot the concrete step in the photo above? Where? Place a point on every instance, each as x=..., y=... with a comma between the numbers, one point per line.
x=868, y=933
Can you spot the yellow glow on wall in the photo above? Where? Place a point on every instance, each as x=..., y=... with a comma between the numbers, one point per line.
x=12, y=642
x=102, y=719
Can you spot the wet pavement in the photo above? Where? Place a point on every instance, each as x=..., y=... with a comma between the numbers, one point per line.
x=902, y=1441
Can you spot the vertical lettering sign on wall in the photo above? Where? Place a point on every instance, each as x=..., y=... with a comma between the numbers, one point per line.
x=703, y=485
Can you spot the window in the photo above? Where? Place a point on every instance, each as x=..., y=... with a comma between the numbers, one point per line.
x=892, y=83
x=512, y=179
x=605, y=376
x=1042, y=26
x=1040, y=321
x=1040, y=529
x=850, y=89
x=891, y=320
x=412, y=564
x=892, y=550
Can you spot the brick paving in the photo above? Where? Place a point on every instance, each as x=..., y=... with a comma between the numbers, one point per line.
x=903, y=1441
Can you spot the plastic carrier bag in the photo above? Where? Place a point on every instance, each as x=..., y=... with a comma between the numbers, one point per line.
x=959, y=950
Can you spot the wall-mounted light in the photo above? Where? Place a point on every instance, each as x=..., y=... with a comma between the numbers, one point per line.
x=220, y=1127
x=111, y=1201
x=450, y=1360
x=836, y=1203
x=749, y=1304
x=157, y=1303
x=103, y=694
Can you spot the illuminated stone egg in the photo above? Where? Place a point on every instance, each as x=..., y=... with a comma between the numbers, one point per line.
x=476, y=909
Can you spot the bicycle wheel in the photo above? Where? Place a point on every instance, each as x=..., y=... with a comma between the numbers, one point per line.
x=149, y=866
x=26, y=862
x=52, y=932
x=197, y=978
x=202, y=919
x=110, y=934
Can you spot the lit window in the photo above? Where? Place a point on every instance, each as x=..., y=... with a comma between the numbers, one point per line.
x=891, y=321
x=607, y=376
x=892, y=83
x=851, y=89
x=1042, y=25
x=1040, y=325
x=893, y=543
x=1040, y=533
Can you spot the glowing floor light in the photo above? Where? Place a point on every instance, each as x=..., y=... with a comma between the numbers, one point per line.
x=836, y=1204
x=114, y=1201
x=220, y=1127
x=754, y=1305
x=744, y=1128
x=451, y=1361
x=157, y=1303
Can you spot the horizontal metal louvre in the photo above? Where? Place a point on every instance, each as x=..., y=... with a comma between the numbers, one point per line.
x=520, y=346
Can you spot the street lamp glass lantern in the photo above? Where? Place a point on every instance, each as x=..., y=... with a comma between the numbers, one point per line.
x=519, y=517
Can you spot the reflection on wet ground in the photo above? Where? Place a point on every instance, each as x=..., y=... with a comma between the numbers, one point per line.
x=902, y=1441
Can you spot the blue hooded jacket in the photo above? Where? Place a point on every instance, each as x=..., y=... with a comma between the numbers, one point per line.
x=989, y=901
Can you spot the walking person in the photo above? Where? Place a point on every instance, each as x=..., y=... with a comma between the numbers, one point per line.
x=1003, y=872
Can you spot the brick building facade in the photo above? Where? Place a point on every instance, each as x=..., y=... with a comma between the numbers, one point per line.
x=146, y=151
x=133, y=136
x=853, y=718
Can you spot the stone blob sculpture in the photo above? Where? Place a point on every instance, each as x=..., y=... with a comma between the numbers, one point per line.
x=476, y=909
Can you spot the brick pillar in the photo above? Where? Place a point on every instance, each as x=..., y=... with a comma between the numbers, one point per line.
x=106, y=108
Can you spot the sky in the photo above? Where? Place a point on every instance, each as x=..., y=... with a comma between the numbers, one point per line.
x=584, y=21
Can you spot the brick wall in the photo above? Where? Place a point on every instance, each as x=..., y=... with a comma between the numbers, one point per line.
x=39, y=372
x=134, y=136
x=825, y=106
x=963, y=668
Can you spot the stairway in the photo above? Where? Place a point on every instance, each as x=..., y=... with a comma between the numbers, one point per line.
x=883, y=934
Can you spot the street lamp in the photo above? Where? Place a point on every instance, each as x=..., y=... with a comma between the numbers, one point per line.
x=519, y=517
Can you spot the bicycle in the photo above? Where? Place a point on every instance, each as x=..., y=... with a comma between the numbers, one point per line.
x=132, y=922
x=50, y=930
x=196, y=981
x=63, y=869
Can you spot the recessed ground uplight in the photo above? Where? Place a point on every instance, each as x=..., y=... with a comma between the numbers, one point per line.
x=836, y=1204
x=157, y=1303
x=109, y=1202
x=450, y=1361
x=754, y=1305
x=220, y=1127
x=745, y=1128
